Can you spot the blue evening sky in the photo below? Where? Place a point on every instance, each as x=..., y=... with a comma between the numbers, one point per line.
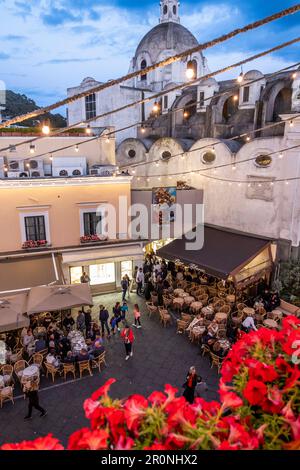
x=47, y=46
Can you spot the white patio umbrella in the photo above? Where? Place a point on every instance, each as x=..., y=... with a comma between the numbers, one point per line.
x=54, y=298
x=12, y=311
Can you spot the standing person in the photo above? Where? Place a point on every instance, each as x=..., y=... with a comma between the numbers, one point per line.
x=137, y=316
x=117, y=314
x=128, y=338
x=139, y=281
x=124, y=310
x=88, y=322
x=80, y=321
x=85, y=279
x=124, y=285
x=192, y=380
x=31, y=391
x=130, y=282
x=68, y=322
x=103, y=317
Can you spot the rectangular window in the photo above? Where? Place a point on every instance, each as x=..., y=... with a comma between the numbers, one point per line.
x=246, y=94
x=201, y=98
x=75, y=274
x=35, y=228
x=166, y=102
x=92, y=223
x=102, y=274
x=90, y=106
x=126, y=268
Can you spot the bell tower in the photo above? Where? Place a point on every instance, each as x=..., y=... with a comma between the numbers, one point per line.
x=169, y=11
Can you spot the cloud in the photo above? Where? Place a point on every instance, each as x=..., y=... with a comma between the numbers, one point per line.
x=59, y=16
x=23, y=9
x=4, y=56
x=13, y=37
x=69, y=61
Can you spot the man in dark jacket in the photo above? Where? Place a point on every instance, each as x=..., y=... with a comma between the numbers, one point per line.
x=88, y=322
x=103, y=317
x=124, y=285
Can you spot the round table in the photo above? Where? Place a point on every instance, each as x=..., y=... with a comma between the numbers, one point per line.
x=30, y=372
x=230, y=299
x=220, y=316
x=207, y=311
x=196, y=307
x=189, y=300
x=277, y=314
x=224, y=343
x=178, y=291
x=183, y=295
x=248, y=311
x=270, y=323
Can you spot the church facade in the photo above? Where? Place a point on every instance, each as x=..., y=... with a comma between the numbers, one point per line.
x=199, y=124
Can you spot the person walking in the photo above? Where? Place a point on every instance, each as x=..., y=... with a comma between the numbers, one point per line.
x=80, y=321
x=128, y=338
x=124, y=310
x=192, y=380
x=31, y=391
x=88, y=322
x=103, y=318
x=137, y=316
x=139, y=281
x=117, y=314
x=124, y=285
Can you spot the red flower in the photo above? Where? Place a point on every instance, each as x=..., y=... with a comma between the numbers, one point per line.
x=89, y=407
x=135, y=409
x=103, y=391
x=41, y=443
x=124, y=443
x=255, y=392
x=263, y=372
x=89, y=440
x=157, y=398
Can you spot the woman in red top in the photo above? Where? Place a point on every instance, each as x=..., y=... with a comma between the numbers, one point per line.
x=128, y=338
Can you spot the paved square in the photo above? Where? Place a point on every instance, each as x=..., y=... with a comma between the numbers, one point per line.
x=160, y=356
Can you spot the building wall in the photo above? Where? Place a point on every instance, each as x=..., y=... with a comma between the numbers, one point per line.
x=61, y=202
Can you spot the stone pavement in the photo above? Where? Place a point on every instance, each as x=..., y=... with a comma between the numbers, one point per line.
x=160, y=356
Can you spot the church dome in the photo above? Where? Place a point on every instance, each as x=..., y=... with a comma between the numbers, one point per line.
x=166, y=36
x=253, y=75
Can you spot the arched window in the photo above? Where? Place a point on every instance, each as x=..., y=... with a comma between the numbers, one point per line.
x=230, y=108
x=165, y=9
x=189, y=110
x=283, y=103
x=143, y=66
x=174, y=10
x=193, y=65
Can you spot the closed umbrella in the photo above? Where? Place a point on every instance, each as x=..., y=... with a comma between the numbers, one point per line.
x=12, y=311
x=53, y=298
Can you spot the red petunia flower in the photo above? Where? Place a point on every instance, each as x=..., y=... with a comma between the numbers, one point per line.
x=255, y=392
x=103, y=391
x=89, y=440
x=134, y=410
x=41, y=443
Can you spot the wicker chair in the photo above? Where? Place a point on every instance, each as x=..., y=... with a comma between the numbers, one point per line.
x=6, y=394
x=69, y=369
x=84, y=366
x=225, y=309
x=205, y=349
x=154, y=299
x=151, y=308
x=37, y=359
x=241, y=306
x=50, y=369
x=7, y=372
x=212, y=291
x=236, y=318
x=203, y=298
x=216, y=361
x=218, y=305
x=221, y=333
x=186, y=317
x=19, y=367
x=181, y=326
x=165, y=317
x=97, y=363
x=167, y=301
x=16, y=356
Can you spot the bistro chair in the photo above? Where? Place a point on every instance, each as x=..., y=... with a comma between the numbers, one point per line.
x=7, y=372
x=181, y=326
x=225, y=309
x=151, y=308
x=205, y=349
x=50, y=369
x=212, y=291
x=16, y=356
x=6, y=394
x=154, y=299
x=203, y=298
x=216, y=361
x=165, y=317
x=221, y=333
x=37, y=360
x=19, y=367
x=69, y=369
x=43, y=352
x=84, y=366
x=98, y=361
x=241, y=306
x=186, y=317
x=167, y=301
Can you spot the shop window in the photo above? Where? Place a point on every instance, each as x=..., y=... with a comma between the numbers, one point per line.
x=209, y=157
x=92, y=223
x=246, y=94
x=126, y=268
x=90, y=106
x=263, y=161
x=75, y=274
x=102, y=274
x=35, y=228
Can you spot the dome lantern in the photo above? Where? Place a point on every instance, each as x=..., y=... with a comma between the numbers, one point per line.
x=169, y=11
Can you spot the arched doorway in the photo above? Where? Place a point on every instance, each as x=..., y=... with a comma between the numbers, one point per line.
x=230, y=108
x=283, y=103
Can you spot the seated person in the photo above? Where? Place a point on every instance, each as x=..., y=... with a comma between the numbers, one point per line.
x=248, y=324
x=218, y=350
x=274, y=301
x=40, y=344
x=69, y=358
x=29, y=341
x=198, y=320
x=63, y=345
x=68, y=321
x=47, y=320
x=95, y=332
x=83, y=355
x=33, y=322
x=212, y=331
x=52, y=359
x=96, y=350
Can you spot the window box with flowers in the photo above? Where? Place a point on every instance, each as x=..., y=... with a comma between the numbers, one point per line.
x=93, y=239
x=33, y=244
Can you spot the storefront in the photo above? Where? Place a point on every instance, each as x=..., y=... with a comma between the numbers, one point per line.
x=104, y=266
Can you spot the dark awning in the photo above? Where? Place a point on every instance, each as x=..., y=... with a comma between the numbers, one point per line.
x=26, y=272
x=223, y=251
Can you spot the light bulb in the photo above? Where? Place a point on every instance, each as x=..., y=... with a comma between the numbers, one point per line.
x=190, y=73
x=143, y=130
x=185, y=114
x=28, y=165
x=248, y=138
x=46, y=129
x=294, y=75
x=236, y=97
x=32, y=149
x=240, y=77
x=76, y=148
x=281, y=155
x=233, y=167
x=107, y=139
x=155, y=107
x=51, y=158
x=157, y=164
x=291, y=123
x=133, y=172
x=88, y=129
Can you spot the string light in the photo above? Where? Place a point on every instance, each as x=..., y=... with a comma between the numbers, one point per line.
x=32, y=149
x=51, y=158
x=155, y=107
x=88, y=129
x=233, y=167
x=156, y=164
x=190, y=73
x=143, y=130
x=291, y=123
x=185, y=114
x=248, y=138
x=280, y=155
x=77, y=148
x=294, y=76
x=240, y=78
x=46, y=129
x=235, y=98
x=107, y=139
